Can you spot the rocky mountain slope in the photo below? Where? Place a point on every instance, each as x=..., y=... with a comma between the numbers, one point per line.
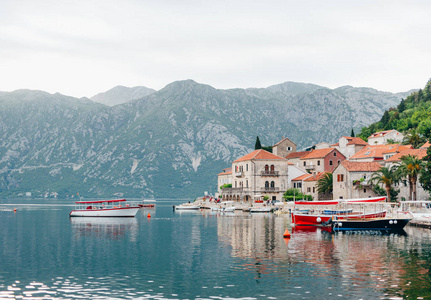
x=171, y=143
x=121, y=94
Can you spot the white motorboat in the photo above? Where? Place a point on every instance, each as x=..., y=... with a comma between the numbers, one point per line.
x=187, y=206
x=104, y=208
x=264, y=209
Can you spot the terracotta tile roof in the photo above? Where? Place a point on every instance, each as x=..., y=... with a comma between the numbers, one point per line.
x=397, y=149
x=334, y=145
x=354, y=166
x=426, y=145
x=319, y=153
x=297, y=154
x=419, y=153
x=302, y=177
x=377, y=151
x=380, y=133
x=259, y=154
x=356, y=141
x=282, y=140
x=317, y=177
x=224, y=173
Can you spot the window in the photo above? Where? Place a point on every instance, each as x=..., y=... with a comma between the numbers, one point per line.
x=365, y=190
x=308, y=190
x=272, y=184
x=235, y=184
x=304, y=163
x=330, y=162
x=266, y=168
x=314, y=189
x=246, y=167
x=272, y=168
x=339, y=161
x=288, y=148
x=266, y=184
x=299, y=185
x=246, y=183
x=335, y=153
x=294, y=185
x=318, y=162
x=340, y=177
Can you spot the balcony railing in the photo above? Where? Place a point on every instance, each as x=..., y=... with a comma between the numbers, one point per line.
x=269, y=173
x=270, y=189
x=309, y=167
x=231, y=191
x=238, y=174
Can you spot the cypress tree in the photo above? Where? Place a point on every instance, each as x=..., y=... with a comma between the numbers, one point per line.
x=257, y=145
x=352, y=134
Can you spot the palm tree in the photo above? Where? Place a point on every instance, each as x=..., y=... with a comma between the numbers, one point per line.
x=414, y=138
x=387, y=177
x=324, y=185
x=411, y=167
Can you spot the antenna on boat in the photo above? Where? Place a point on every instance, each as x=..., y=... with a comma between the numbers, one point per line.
x=79, y=196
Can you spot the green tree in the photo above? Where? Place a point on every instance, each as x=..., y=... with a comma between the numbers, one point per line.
x=414, y=138
x=325, y=185
x=387, y=177
x=425, y=178
x=295, y=194
x=352, y=134
x=257, y=145
x=410, y=168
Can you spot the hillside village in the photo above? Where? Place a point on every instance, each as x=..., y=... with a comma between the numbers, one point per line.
x=352, y=162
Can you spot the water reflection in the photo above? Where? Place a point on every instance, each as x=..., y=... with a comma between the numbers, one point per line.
x=393, y=265
x=114, y=228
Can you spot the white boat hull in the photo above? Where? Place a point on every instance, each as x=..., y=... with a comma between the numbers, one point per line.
x=187, y=207
x=108, y=212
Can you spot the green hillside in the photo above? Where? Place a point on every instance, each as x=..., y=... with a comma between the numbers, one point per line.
x=412, y=117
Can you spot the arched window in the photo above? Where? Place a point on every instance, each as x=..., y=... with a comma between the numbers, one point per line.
x=266, y=184
x=272, y=184
x=272, y=168
x=266, y=168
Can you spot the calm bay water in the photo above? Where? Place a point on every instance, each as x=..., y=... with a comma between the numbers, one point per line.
x=200, y=255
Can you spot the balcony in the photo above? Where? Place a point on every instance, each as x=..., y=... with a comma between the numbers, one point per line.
x=309, y=167
x=270, y=189
x=269, y=173
x=238, y=174
x=236, y=191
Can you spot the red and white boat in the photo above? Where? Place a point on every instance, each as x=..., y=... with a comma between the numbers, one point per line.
x=321, y=213
x=104, y=208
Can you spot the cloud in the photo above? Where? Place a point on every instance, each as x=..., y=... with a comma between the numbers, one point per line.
x=82, y=48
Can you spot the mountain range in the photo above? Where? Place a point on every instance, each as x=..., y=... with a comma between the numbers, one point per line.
x=170, y=143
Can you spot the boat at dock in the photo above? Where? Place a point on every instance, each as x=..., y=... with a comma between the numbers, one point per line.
x=380, y=224
x=321, y=213
x=187, y=206
x=104, y=208
x=261, y=209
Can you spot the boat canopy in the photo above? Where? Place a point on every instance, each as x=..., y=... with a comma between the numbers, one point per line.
x=100, y=201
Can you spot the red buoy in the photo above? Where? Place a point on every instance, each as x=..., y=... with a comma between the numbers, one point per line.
x=286, y=234
x=149, y=215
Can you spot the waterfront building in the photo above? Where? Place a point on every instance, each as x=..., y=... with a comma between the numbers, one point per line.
x=403, y=186
x=309, y=186
x=349, y=146
x=384, y=137
x=295, y=157
x=223, y=178
x=322, y=160
x=257, y=174
x=284, y=147
x=378, y=153
x=351, y=179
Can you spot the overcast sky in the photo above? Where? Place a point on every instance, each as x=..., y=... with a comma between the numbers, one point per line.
x=81, y=48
